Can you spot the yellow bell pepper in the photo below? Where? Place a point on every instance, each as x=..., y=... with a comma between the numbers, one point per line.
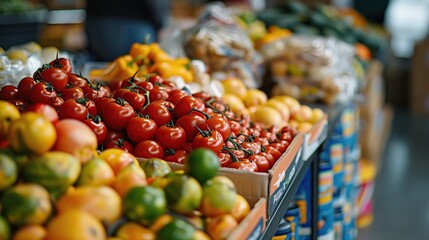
x=139, y=50
x=123, y=67
x=168, y=69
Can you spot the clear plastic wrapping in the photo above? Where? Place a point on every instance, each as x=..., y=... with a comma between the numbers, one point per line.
x=223, y=46
x=313, y=69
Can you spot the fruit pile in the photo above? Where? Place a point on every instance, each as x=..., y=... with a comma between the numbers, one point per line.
x=150, y=117
x=49, y=194
x=276, y=111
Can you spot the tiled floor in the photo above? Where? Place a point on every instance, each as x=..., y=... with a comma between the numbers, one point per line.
x=402, y=187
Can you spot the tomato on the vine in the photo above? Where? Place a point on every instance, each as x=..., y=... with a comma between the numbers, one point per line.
x=90, y=105
x=156, y=79
x=274, y=152
x=188, y=147
x=102, y=103
x=173, y=137
x=235, y=126
x=21, y=104
x=113, y=134
x=140, y=129
x=149, y=149
x=117, y=114
x=269, y=157
x=178, y=156
x=43, y=93
x=120, y=143
x=217, y=123
x=224, y=159
x=189, y=124
x=280, y=146
x=9, y=92
x=175, y=97
x=261, y=161
x=186, y=104
x=158, y=92
x=73, y=109
x=72, y=93
x=77, y=80
x=208, y=139
x=244, y=164
x=96, y=91
x=136, y=100
x=62, y=63
x=56, y=77
x=158, y=113
x=24, y=88
x=98, y=127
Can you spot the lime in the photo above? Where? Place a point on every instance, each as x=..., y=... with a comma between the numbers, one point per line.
x=177, y=229
x=155, y=167
x=202, y=164
x=8, y=171
x=144, y=204
x=183, y=193
x=4, y=228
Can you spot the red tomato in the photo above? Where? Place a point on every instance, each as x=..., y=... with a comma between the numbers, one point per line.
x=140, y=129
x=24, y=88
x=245, y=165
x=144, y=86
x=269, y=157
x=77, y=80
x=73, y=109
x=63, y=64
x=188, y=147
x=261, y=161
x=261, y=141
x=204, y=96
x=57, y=102
x=115, y=85
x=9, y=92
x=286, y=136
x=281, y=147
x=224, y=159
x=98, y=127
x=290, y=129
x=158, y=92
x=235, y=126
x=274, y=152
x=179, y=156
x=175, y=98
x=102, y=103
x=217, y=123
x=158, y=113
x=149, y=149
x=92, y=108
x=72, y=93
x=255, y=148
x=186, y=104
x=212, y=140
x=171, y=137
x=189, y=124
x=119, y=93
x=120, y=143
x=42, y=93
x=117, y=114
x=136, y=100
x=56, y=77
x=156, y=79
x=96, y=91
x=170, y=86
x=113, y=135
x=21, y=104
x=46, y=110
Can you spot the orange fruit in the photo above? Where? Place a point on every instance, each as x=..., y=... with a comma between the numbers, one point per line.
x=129, y=177
x=75, y=224
x=220, y=228
x=30, y=232
x=117, y=158
x=96, y=172
x=134, y=231
x=240, y=209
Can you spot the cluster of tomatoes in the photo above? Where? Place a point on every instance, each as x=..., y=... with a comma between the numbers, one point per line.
x=152, y=118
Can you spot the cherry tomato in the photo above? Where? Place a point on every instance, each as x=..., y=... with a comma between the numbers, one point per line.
x=46, y=110
x=21, y=104
x=77, y=80
x=102, y=103
x=98, y=127
x=224, y=159
x=186, y=104
x=274, y=152
x=43, y=93
x=120, y=143
x=255, y=148
x=204, y=96
x=175, y=98
x=117, y=114
x=281, y=147
x=72, y=93
x=56, y=77
x=170, y=86
x=57, y=102
x=262, y=141
x=269, y=157
x=245, y=165
x=9, y=92
x=119, y=93
x=115, y=85
x=188, y=147
x=73, y=109
x=286, y=136
x=113, y=135
x=144, y=86
x=140, y=129
x=178, y=156
x=189, y=124
x=90, y=105
x=136, y=100
x=158, y=113
x=235, y=126
x=63, y=64
x=290, y=129
x=24, y=88
x=96, y=91
x=149, y=149
x=156, y=79
x=205, y=139
x=158, y=92
x=261, y=161
x=171, y=137
x=217, y=123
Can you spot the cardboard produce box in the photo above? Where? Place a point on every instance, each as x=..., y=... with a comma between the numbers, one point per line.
x=419, y=89
x=373, y=94
x=314, y=138
x=253, y=225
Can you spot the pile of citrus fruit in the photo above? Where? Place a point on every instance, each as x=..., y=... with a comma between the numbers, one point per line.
x=50, y=192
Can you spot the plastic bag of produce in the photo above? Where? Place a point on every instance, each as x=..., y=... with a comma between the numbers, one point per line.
x=219, y=42
x=313, y=69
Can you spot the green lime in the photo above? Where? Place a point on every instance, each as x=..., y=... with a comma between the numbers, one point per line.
x=4, y=228
x=144, y=204
x=202, y=164
x=8, y=171
x=177, y=229
x=183, y=193
x=155, y=167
